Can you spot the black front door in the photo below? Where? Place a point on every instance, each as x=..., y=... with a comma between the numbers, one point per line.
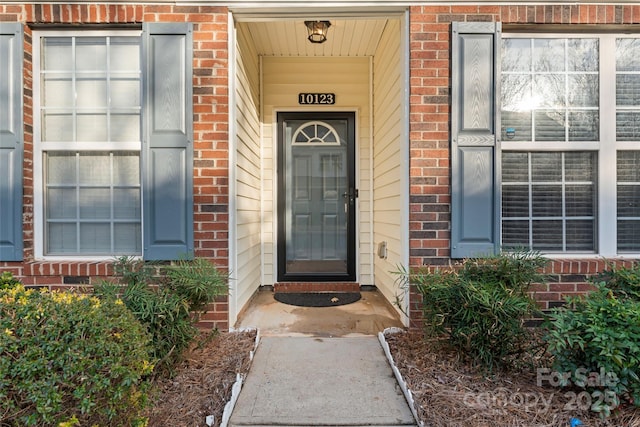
x=316, y=196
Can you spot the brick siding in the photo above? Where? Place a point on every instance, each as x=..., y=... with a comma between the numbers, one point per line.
x=430, y=202
x=211, y=117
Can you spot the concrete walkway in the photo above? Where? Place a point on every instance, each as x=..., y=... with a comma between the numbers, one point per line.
x=320, y=381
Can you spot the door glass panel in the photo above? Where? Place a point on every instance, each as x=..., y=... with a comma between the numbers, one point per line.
x=316, y=192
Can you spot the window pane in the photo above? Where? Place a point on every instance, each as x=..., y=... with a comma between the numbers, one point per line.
x=515, y=201
x=94, y=168
x=57, y=54
x=515, y=234
x=628, y=236
x=126, y=203
x=628, y=201
x=57, y=127
x=547, y=236
x=92, y=93
x=515, y=167
x=61, y=203
x=550, y=90
x=58, y=91
x=127, y=238
x=628, y=89
x=516, y=54
x=628, y=170
x=95, y=239
x=126, y=169
x=583, y=90
x=584, y=126
x=91, y=127
x=125, y=127
x=516, y=126
x=546, y=167
x=94, y=193
x=95, y=203
x=125, y=93
x=580, y=235
x=628, y=126
x=579, y=200
x=628, y=54
x=124, y=54
x=61, y=168
x=548, y=55
x=582, y=55
x=517, y=103
x=557, y=197
x=549, y=126
x=91, y=53
x=546, y=200
x=579, y=166
x=62, y=239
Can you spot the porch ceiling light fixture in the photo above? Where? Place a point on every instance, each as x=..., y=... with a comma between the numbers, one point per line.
x=317, y=31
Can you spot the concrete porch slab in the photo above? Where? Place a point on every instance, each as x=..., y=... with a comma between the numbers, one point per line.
x=372, y=314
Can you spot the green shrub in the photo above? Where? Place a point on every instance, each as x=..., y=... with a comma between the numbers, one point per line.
x=481, y=307
x=7, y=280
x=198, y=281
x=600, y=334
x=70, y=358
x=167, y=300
x=624, y=282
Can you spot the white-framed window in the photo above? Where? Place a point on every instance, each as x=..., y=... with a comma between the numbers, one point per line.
x=570, y=132
x=87, y=143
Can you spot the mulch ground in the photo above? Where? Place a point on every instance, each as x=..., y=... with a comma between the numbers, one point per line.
x=446, y=390
x=201, y=384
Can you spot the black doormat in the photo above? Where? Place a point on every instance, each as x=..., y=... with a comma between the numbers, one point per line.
x=317, y=299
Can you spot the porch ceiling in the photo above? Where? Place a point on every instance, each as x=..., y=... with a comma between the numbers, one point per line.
x=346, y=37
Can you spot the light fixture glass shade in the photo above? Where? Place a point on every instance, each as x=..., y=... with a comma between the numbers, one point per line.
x=317, y=31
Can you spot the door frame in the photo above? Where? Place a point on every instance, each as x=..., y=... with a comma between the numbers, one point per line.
x=320, y=114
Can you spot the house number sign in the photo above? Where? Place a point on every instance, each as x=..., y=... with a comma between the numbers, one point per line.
x=316, y=98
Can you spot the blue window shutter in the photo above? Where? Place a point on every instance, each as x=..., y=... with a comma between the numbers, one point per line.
x=11, y=141
x=167, y=148
x=475, y=174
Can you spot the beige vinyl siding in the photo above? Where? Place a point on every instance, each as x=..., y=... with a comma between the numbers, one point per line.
x=387, y=180
x=246, y=278
x=348, y=78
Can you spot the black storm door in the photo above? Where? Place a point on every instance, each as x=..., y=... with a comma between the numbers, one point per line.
x=316, y=196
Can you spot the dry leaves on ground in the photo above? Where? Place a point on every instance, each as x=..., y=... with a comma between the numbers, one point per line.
x=202, y=383
x=447, y=392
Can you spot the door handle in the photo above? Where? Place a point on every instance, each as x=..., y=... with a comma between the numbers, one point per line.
x=351, y=195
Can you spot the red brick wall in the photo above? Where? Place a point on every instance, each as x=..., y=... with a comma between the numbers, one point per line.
x=430, y=203
x=211, y=117
x=429, y=129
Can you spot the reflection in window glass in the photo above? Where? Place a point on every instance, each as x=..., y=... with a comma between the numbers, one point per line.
x=550, y=90
x=628, y=89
